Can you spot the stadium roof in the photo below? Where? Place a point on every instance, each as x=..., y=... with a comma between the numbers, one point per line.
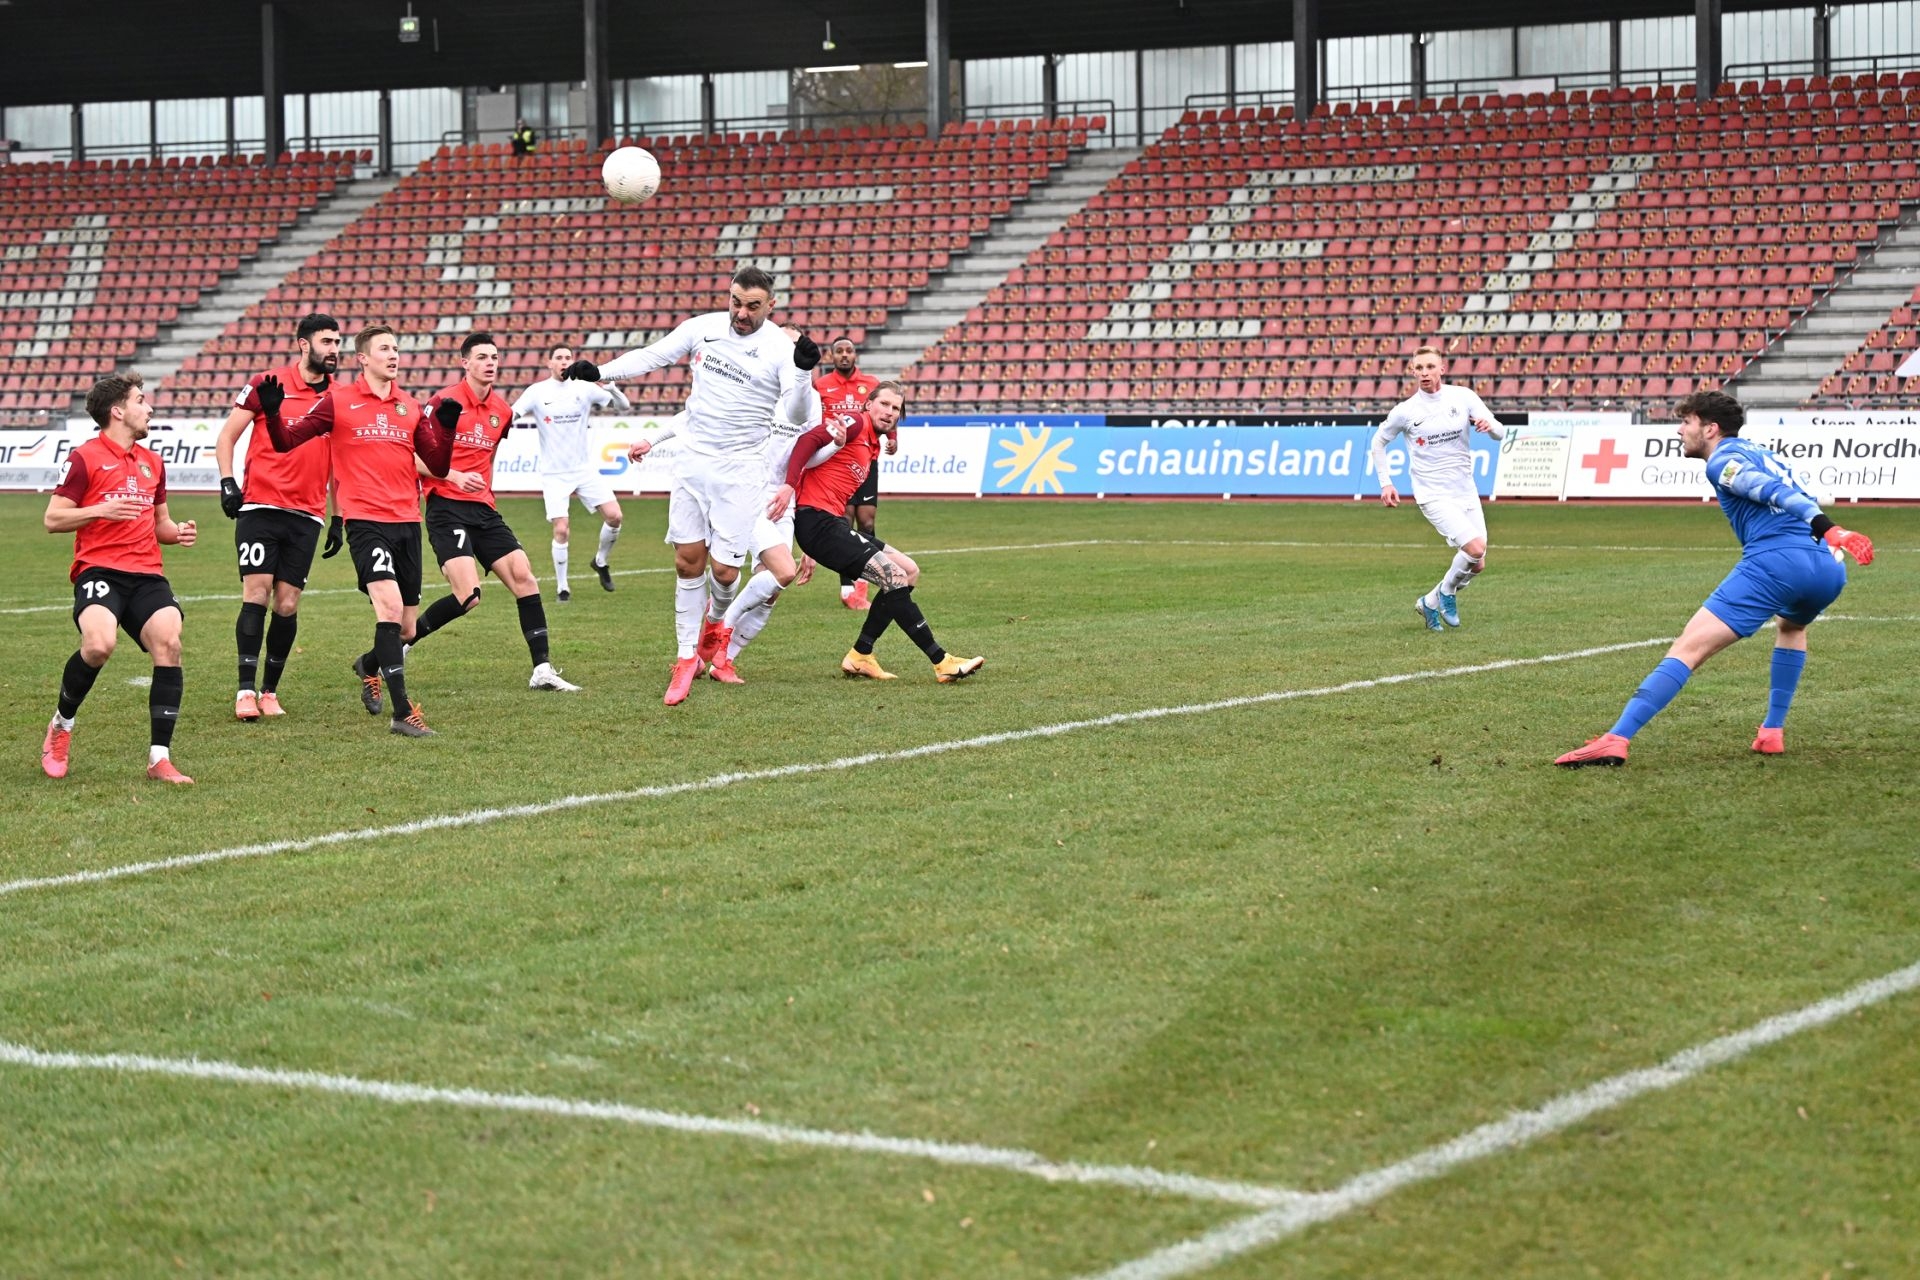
x=119, y=50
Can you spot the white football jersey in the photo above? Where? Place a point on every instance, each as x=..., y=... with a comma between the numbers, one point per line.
x=560, y=410
x=738, y=383
x=1439, y=432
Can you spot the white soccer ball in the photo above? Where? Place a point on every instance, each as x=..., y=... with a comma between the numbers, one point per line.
x=631, y=174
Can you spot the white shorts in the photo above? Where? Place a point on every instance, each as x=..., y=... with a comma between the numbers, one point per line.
x=716, y=500
x=769, y=535
x=1457, y=518
x=591, y=487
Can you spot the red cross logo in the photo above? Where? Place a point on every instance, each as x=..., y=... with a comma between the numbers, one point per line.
x=1420, y=440
x=1604, y=461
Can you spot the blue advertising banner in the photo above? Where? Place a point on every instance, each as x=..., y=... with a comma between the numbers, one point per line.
x=1295, y=462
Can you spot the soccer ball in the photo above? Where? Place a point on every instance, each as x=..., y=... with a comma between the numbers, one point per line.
x=631, y=174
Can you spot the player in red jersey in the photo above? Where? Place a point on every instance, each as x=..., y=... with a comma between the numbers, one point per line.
x=377, y=431
x=821, y=525
x=464, y=525
x=114, y=503
x=277, y=516
x=843, y=389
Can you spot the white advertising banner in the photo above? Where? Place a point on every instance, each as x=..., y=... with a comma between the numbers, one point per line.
x=1534, y=455
x=1839, y=458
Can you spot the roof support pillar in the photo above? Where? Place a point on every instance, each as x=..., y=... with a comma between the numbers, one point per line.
x=273, y=64
x=599, y=121
x=1706, y=48
x=939, y=67
x=1306, y=57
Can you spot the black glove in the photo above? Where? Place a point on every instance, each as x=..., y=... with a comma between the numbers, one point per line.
x=336, y=534
x=582, y=371
x=447, y=414
x=230, y=498
x=270, y=393
x=806, y=352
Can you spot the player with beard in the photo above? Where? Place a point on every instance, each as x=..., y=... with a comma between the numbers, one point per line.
x=277, y=514
x=824, y=532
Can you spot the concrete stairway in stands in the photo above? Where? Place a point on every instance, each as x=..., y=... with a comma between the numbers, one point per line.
x=970, y=276
x=256, y=278
x=1789, y=374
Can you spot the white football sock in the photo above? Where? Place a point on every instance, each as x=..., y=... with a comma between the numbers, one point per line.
x=750, y=611
x=1459, y=575
x=689, y=606
x=609, y=534
x=720, y=598
x=63, y=722
x=560, y=566
x=156, y=754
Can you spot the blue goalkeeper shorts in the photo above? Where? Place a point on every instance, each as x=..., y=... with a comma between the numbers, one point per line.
x=1789, y=583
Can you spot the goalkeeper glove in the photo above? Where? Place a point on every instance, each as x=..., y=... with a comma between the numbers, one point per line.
x=447, y=414
x=336, y=534
x=270, y=394
x=582, y=371
x=806, y=352
x=230, y=498
x=1857, y=545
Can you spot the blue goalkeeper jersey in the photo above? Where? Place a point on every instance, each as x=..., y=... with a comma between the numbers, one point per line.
x=1764, y=503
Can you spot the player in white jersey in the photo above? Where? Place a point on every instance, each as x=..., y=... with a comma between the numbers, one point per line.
x=1436, y=421
x=744, y=371
x=772, y=541
x=559, y=407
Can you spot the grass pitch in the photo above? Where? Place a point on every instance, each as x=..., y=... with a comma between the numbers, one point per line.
x=1282, y=943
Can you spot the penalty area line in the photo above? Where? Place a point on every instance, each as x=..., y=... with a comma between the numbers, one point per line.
x=719, y=781
x=1518, y=1130
x=1009, y=1160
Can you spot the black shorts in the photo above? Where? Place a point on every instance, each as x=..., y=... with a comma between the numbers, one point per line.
x=132, y=598
x=385, y=552
x=832, y=542
x=468, y=529
x=868, y=494
x=270, y=540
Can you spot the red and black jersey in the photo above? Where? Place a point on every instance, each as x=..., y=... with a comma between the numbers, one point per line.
x=844, y=392
x=831, y=484
x=374, y=442
x=483, y=424
x=294, y=481
x=97, y=471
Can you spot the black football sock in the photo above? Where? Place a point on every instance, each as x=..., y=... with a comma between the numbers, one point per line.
x=163, y=703
x=75, y=683
x=914, y=623
x=435, y=616
x=392, y=660
x=533, y=625
x=247, y=631
x=878, y=617
x=281, y=629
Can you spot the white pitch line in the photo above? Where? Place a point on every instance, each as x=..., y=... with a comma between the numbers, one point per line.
x=1520, y=1129
x=312, y=591
x=715, y=782
x=1010, y=1160
x=1027, y=546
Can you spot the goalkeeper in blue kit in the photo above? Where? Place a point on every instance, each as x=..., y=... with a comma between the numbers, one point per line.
x=1784, y=572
